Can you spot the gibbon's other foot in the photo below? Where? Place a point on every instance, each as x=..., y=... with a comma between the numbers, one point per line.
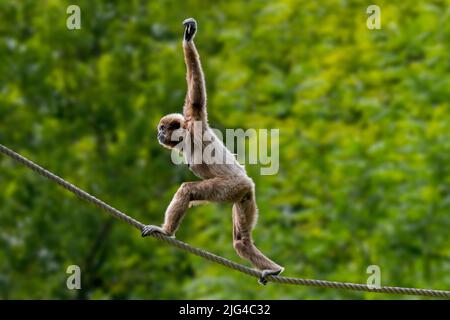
x=262, y=279
x=149, y=229
x=190, y=28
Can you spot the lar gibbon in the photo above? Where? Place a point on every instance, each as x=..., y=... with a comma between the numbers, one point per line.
x=227, y=182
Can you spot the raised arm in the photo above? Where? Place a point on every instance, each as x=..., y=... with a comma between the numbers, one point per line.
x=195, y=104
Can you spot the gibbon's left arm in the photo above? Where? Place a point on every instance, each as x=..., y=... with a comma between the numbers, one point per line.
x=195, y=104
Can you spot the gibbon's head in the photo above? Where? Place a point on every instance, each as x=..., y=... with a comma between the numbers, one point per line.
x=170, y=130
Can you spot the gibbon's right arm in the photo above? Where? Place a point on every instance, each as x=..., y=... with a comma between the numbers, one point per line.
x=195, y=104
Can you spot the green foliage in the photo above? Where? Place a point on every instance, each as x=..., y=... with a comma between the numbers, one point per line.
x=364, y=118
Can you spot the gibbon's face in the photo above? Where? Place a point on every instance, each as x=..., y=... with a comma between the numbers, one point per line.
x=166, y=127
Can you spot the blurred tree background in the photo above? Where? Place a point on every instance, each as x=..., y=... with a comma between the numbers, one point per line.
x=364, y=118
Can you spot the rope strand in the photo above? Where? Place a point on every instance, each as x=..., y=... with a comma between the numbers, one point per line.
x=210, y=256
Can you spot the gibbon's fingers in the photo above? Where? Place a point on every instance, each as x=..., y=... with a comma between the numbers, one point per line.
x=149, y=229
x=262, y=280
x=189, y=20
x=190, y=26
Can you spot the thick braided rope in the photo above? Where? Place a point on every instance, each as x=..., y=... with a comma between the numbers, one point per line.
x=210, y=256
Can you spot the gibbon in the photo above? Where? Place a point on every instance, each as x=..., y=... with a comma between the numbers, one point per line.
x=222, y=182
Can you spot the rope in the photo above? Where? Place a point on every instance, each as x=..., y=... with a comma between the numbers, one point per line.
x=210, y=256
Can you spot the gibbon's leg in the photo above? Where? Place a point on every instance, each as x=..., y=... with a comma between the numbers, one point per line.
x=220, y=189
x=238, y=190
x=244, y=220
x=195, y=104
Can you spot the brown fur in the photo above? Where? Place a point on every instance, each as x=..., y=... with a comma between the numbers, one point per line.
x=222, y=182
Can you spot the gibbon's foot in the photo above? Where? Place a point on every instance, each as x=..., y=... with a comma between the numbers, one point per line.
x=264, y=273
x=190, y=28
x=149, y=229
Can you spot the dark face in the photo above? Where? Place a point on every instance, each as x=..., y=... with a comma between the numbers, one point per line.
x=166, y=128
